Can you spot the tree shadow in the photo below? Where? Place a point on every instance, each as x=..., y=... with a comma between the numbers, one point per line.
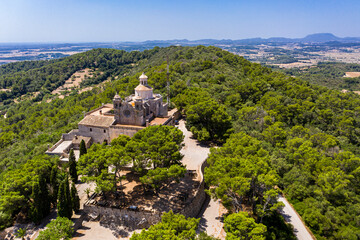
x=203, y=224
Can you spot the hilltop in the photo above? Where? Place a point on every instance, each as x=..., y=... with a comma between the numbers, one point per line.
x=271, y=129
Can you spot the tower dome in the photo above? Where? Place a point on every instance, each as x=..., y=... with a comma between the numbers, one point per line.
x=143, y=90
x=143, y=79
x=117, y=97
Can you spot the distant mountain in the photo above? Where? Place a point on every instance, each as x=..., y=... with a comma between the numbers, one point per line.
x=130, y=46
x=312, y=38
x=321, y=37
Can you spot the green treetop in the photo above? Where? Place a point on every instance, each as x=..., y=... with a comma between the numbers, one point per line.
x=172, y=226
x=60, y=228
x=242, y=226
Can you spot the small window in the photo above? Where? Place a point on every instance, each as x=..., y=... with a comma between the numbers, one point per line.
x=104, y=131
x=90, y=129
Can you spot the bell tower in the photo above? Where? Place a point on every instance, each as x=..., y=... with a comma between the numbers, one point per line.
x=117, y=105
x=143, y=79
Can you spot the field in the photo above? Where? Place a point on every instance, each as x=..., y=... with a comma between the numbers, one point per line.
x=290, y=55
x=352, y=74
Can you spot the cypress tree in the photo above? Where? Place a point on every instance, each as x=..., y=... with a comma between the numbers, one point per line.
x=54, y=183
x=69, y=207
x=41, y=200
x=75, y=198
x=62, y=212
x=35, y=212
x=45, y=199
x=82, y=148
x=72, y=166
x=64, y=200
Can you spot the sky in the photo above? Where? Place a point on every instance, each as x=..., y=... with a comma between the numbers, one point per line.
x=140, y=20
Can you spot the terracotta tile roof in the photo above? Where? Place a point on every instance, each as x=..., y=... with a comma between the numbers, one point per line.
x=158, y=121
x=97, y=121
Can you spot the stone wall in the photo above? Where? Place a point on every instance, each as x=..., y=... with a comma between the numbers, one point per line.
x=124, y=217
x=54, y=146
x=98, y=134
x=116, y=130
x=144, y=219
x=70, y=135
x=193, y=208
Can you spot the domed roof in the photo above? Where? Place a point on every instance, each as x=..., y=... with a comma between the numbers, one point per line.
x=143, y=76
x=117, y=96
x=141, y=87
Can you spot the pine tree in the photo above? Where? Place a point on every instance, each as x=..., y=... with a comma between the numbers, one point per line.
x=82, y=148
x=75, y=198
x=72, y=166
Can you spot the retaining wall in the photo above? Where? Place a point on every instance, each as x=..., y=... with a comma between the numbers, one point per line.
x=193, y=208
x=124, y=217
x=144, y=219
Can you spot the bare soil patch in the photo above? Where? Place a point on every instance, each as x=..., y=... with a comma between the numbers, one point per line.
x=352, y=74
x=74, y=81
x=131, y=192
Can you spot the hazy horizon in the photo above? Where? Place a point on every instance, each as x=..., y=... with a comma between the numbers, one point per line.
x=154, y=40
x=66, y=21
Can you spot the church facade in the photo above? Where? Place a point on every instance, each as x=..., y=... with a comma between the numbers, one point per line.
x=124, y=116
x=141, y=107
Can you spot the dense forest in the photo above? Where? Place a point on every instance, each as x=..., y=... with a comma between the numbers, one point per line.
x=328, y=74
x=274, y=132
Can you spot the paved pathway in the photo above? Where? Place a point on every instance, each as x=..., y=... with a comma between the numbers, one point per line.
x=293, y=218
x=194, y=155
x=211, y=221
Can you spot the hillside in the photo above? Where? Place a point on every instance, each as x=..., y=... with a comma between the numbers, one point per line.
x=282, y=130
x=329, y=74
